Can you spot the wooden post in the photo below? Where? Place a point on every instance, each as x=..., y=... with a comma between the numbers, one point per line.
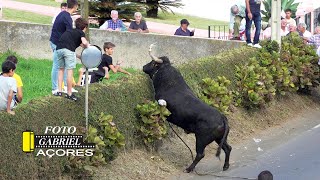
x=84, y=6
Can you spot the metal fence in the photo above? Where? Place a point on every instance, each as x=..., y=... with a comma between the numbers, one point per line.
x=218, y=31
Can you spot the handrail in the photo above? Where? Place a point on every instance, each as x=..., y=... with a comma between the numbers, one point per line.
x=219, y=31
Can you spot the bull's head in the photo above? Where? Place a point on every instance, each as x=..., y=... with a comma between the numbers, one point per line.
x=157, y=62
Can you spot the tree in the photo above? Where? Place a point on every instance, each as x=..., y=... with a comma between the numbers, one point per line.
x=102, y=8
x=165, y=5
x=85, y=14
x=285, y=4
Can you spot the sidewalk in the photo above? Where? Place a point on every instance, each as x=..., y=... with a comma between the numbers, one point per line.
x=154, y=27
x=39, y=9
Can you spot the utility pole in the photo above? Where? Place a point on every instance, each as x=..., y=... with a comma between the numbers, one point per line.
x=276, y=21
x=84, y=6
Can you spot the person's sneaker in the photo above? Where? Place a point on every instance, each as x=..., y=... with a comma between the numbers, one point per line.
x=257, y=46
x=54, y=91
x=66, y=91
x=71, y=97
x=235, y=38
x=250, y=44
x=57, y=93
x=74, y=90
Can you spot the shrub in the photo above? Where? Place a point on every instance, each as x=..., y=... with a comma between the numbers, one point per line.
x=107, y=139
x=216, y=93
x=302, y=61
x=151, y=124
x=222, y=64
x=269, y=57
x=271, y=72
x=255, y=85
x=115, y=98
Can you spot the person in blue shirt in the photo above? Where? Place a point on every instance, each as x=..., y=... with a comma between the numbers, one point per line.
x=253, y=14
x=183, y=29
x=62, y=23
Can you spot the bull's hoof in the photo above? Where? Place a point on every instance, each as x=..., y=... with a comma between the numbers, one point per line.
x=225, y=167
x=188, y=170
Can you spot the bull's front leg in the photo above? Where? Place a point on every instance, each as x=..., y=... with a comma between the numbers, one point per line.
x=200, y=146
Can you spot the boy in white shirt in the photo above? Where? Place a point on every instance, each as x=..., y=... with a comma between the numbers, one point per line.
x=8, y=87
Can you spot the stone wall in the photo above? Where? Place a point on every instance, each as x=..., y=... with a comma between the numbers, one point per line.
x=32, y=40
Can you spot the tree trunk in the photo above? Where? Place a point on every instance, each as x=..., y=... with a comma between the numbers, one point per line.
x=84, y=5
x=152, y=10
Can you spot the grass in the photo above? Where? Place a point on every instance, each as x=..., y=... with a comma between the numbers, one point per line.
x=195, y=22
x=36, y=76
x=52, y=3
x=24, y=16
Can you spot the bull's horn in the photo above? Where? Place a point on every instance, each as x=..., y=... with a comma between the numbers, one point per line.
x=152, y=56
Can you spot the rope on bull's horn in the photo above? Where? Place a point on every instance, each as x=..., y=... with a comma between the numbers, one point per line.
x=205, y=174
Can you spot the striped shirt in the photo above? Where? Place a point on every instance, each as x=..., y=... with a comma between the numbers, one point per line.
x=315, y=40
x=115, y=25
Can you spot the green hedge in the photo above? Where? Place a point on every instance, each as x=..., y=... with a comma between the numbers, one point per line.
x=118, y=99
x=222, y=64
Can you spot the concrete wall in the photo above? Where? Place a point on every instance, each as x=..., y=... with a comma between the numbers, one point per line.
x=32, y=40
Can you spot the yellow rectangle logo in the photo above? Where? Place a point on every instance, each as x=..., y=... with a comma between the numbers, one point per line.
x=27, y=141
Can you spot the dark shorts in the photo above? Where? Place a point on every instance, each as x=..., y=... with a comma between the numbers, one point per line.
x=93, y=78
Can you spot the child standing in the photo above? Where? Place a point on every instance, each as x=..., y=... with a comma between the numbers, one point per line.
x=8, y=87
x=69, y=41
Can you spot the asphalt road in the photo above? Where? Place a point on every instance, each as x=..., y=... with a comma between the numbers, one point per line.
x=290, y=152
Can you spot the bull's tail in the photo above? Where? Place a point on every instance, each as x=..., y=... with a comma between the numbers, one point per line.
x=226, y=131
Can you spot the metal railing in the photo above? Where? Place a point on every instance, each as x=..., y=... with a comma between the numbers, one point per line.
x=218, y=31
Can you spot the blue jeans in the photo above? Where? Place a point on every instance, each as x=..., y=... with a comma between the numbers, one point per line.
x=55, y=68
x=256, y=18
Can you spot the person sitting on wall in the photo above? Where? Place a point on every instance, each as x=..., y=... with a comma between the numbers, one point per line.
x=183, y=29
x=138, y=25
x=302, y=28
x=19, y=95
x=8, y=87
x=283, y=30
x=267, y=32
x=113, y=24
x=104, y=67
x=315, y=39
x=292, y=29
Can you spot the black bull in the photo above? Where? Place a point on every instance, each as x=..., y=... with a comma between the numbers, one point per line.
x=187, y=111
